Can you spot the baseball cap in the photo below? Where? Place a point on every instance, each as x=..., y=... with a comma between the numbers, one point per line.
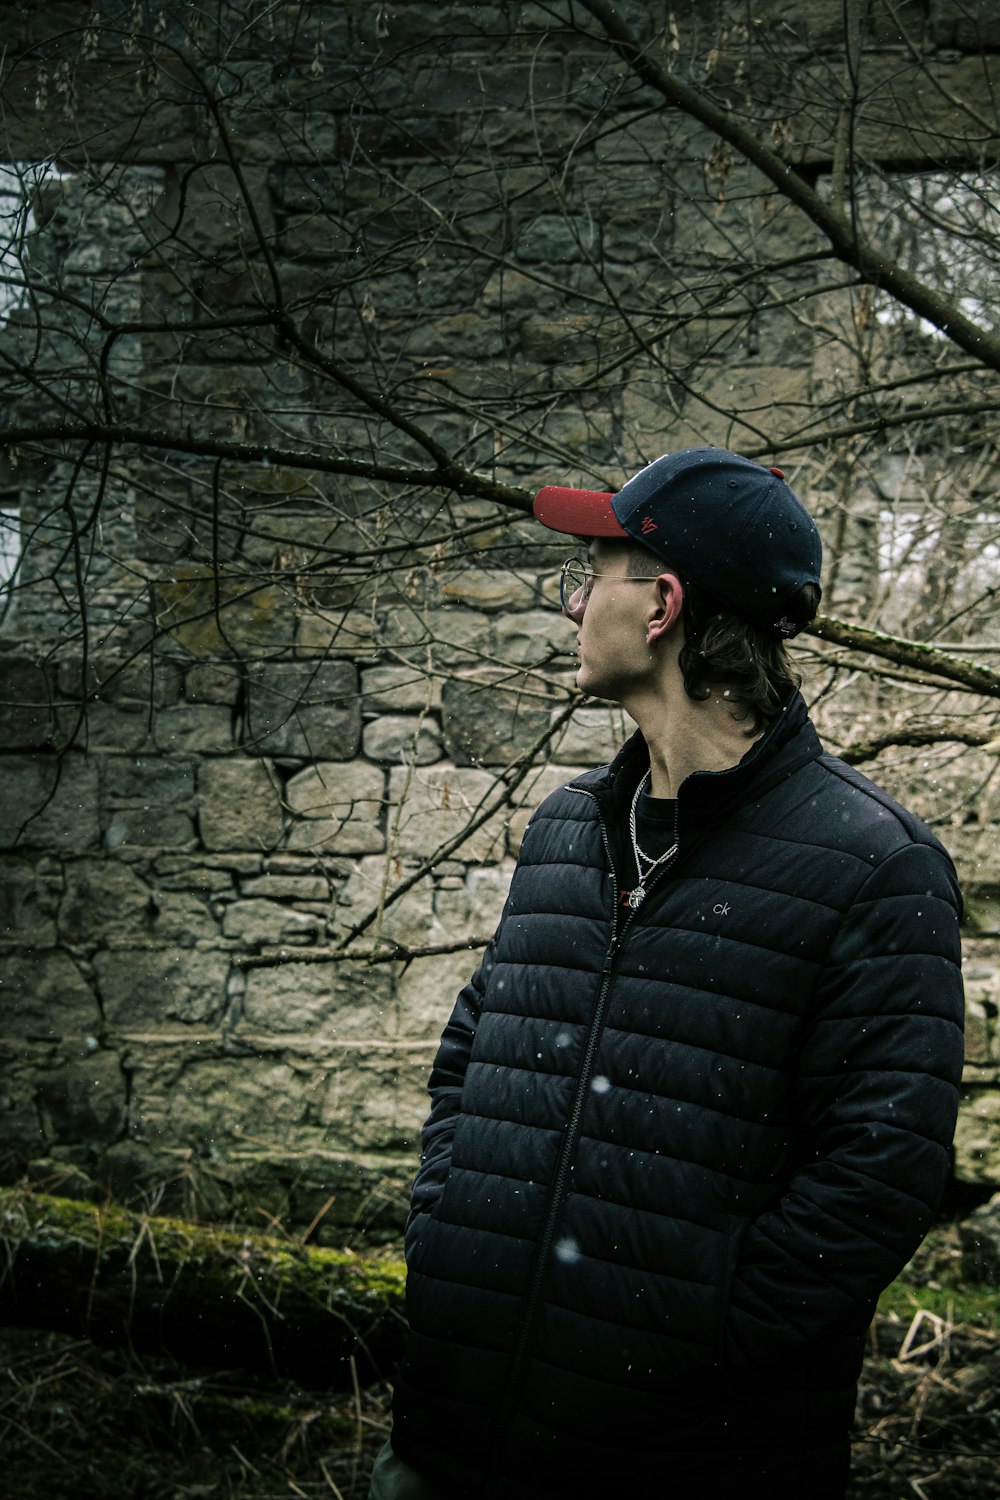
x=726, y=523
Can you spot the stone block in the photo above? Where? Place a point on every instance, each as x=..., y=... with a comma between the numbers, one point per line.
x=195, y=728
x=206, y=1106
x=982, y=1002
x=396, y=690
x=982, y=907
x=304, y=708
x=28, y=902
x=398, y=28
x=149, y=801
x=257, y=922
x=84, y=1100
x=120, y=726
x=103, y=900
x=546, y=340
x=492, y=719
x=511, y=291
x=471, y=909
x=145, y=989
x=335, y=633
x=150, y=828
x=980, y=1029
x=240, y=805
x=44, y=996
x=743, y=401
x=536, y=637
x=501, y=85
x=979, y=1236
x=21, y=1135
x=973, y=847
x=407, y=919
x=191, y=1181
x=148, y=779
x=217, y=612
x=338, y=807
x=278, y=886
x=329, y=1002
x=488, y=589
x=325, y=838
x=144, y=801
x=427, y=990
x=27, y=721
x=58, y=1173
x=402, y=737
x=181, y=918
x=453, y=635
x=554, y=239
x=113, y=679
x=49, y=803
x=213, y=682
x=370, y=1193
x=977, y=1137
x=592, y=737
x=810, y=25
x=432, y=807
x=970, y=27
x=375, y=1101
x=636, y=233
x=204, y=876
x=476, y=336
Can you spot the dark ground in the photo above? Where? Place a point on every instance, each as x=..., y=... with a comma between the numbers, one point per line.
x=82, y=1423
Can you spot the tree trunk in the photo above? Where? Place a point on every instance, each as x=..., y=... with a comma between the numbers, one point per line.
x=196, y=1292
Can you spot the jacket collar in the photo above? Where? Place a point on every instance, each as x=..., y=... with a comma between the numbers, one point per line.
x=789, y=741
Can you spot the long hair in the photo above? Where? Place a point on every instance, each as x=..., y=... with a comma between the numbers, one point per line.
x=723, y=651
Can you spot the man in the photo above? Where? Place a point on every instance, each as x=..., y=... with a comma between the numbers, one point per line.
x=693, y=1111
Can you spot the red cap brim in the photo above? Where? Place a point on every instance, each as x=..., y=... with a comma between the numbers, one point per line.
x=577, y=512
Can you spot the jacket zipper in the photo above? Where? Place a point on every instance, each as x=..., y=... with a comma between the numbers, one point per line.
x=567, y=1152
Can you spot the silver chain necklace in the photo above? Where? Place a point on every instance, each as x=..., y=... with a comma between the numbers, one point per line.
x=637, y=895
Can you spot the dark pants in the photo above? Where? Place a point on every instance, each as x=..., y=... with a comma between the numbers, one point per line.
x=752, y=1479
x=394, y=1480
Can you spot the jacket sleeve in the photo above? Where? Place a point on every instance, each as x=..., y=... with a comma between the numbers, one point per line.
x=445, y=1088
x=876, y=1099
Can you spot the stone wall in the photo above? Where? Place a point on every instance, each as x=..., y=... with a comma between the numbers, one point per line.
x=233, y=725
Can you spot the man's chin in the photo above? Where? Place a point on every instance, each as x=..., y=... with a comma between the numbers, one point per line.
x=590, y=684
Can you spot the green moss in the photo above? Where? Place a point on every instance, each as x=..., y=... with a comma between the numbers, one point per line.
x=979, y=1305
x=189, y=1288
x=63, y=1222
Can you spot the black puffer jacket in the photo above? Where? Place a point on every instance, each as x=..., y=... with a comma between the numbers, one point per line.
x=674, y=1154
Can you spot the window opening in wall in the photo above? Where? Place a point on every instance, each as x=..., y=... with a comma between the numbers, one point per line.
x=16, y=183
x=19, y=181
x=942, y=227
x=940, y=564
x=10, y=554
x=926, y=489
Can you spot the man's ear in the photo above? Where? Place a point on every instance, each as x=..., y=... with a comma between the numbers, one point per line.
x=667, y=611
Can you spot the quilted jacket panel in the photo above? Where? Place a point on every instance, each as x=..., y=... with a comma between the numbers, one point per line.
x=674, y=1154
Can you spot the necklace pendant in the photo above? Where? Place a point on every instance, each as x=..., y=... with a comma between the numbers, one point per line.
x=635, y=897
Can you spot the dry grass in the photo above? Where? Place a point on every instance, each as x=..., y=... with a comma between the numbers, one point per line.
x=928, y=1414
x=78, y=1422
x=81, y=1423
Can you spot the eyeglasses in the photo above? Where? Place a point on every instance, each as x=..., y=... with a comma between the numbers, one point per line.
x=577, y=576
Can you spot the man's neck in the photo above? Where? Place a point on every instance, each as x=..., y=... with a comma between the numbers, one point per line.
x=685, y=736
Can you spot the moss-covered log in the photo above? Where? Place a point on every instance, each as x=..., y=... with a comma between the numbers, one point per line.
x=226, y=1297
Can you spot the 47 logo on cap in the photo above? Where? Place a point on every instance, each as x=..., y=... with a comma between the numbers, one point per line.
x=648, y=525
